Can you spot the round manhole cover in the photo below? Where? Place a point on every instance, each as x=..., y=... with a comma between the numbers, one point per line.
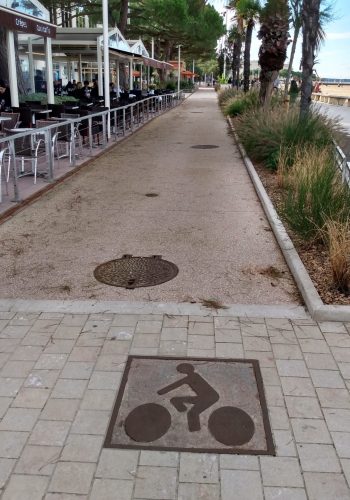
x=204, y=146
x=134, y=272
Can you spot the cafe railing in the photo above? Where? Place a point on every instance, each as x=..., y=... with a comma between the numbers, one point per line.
x=82, y=134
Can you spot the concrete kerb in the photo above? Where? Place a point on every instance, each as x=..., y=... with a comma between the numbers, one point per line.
x=317, y=309
x=170, y=308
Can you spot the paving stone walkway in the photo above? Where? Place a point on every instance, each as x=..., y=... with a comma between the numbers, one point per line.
x=58, y=381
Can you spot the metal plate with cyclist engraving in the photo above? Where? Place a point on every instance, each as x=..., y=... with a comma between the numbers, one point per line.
x=134, y=272
x=191, y=404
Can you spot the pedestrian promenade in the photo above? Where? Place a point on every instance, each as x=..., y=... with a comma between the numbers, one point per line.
x=62, y=355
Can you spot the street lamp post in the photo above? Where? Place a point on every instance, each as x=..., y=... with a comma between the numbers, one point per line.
x=106, y=62
x=179, y=69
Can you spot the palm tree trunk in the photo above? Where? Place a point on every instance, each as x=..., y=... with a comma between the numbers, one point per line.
x=266, y=86
x=248, y=43
x=311, y=23
x=291, y=60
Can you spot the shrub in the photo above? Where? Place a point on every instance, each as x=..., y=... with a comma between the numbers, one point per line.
x=265, y=132
x=42, y=97
x=315, y=192
x=226, y=94
x=241, y=103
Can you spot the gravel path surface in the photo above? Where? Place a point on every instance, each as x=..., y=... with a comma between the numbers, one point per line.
x=206, y=218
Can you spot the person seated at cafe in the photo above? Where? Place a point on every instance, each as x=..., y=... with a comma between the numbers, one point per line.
x=5, y=97
x=86, y=90
x=79, y=92
x=94, y=91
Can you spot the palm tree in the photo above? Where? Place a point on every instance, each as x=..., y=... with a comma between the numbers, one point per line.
x=274, y=36
x=235, y=39
x=296, y=21
x=248, y=11
x=313, y=19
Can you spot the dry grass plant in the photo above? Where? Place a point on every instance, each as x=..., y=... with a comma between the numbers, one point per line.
x=338, y=238
x=315, y=192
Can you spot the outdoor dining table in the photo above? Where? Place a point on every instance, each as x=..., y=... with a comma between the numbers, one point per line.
x=39, y=111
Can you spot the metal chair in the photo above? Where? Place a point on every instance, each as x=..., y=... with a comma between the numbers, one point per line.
x=4, y=156
x=27, y=149
x=12, y=122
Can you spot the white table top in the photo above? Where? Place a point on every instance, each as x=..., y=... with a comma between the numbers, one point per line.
x=5, y=118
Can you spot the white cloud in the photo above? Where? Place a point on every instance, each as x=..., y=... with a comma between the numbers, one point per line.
x=338, y=36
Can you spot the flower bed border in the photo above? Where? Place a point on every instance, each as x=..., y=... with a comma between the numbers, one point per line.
x=316, y=307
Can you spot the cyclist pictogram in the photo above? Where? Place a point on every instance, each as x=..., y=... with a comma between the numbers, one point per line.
x=227, y=424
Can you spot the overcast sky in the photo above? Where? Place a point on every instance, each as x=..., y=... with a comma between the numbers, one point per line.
x=333, y=59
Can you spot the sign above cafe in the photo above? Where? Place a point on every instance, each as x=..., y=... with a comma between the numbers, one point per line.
x=27, y=17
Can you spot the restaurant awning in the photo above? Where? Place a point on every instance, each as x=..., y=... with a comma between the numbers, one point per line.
x=154, y=63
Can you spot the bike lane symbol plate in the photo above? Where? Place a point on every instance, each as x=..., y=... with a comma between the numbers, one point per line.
x=204, y=405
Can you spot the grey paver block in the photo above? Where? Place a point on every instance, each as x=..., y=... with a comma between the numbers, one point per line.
x=41, y=379
x=337, y=419
x=303, y=407
x=19, y=369
x=333, y=398
x=198, y=468
x=148, y=327
x=111, y=362
x=26, y=353
x=274, y=396
x=201, y=342
x=38, y=460
x=98, y=400
x=9, y=386
x=6, y=466
x=308, y=430
x=172, y=348
x=175, y=321
x=252, y=343
x=4, y=404
x=159, y=458
x=284, y=494
x=12, y=443
x=225, y=335
x=59, y=346
x=326, y=486
x=84, y=354
x=72, y=477
x=49, y=433
x=327, y=378
x=90, y=422
x=250, y=329
x=297, y=386
x=104, y=380
x=338, y=339
x=107, y=489
x=31, y=398
x=286, y=351
x=292, y=368
x=21, y=487
x=342, y=443
x=77, y=370
x=239, y=462
x=200, y=328
x=19, y=419
x=152, y=485
x=82, y=448
x=270, y=376
x=171, y=333
x=68, y=388
x=60, y=409
x=265, y=358
x=246, y=485
x=118, y=464
x=229, y=350
x=284, y=442
x=341, y=354
x=51, y=361
x=318, y=458
x=332, y=327
x=149, y=340
x=279, y=418
x=198, y=492
x=281, y=471
x=307, y=331
x=314, y=346
x=320, y=361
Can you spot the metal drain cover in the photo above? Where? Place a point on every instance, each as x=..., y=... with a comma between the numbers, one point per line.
x=204, y=146
x=135, y=272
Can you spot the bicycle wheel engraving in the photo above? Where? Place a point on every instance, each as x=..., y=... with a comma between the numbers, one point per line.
x=231, y=426
x=147, y=423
